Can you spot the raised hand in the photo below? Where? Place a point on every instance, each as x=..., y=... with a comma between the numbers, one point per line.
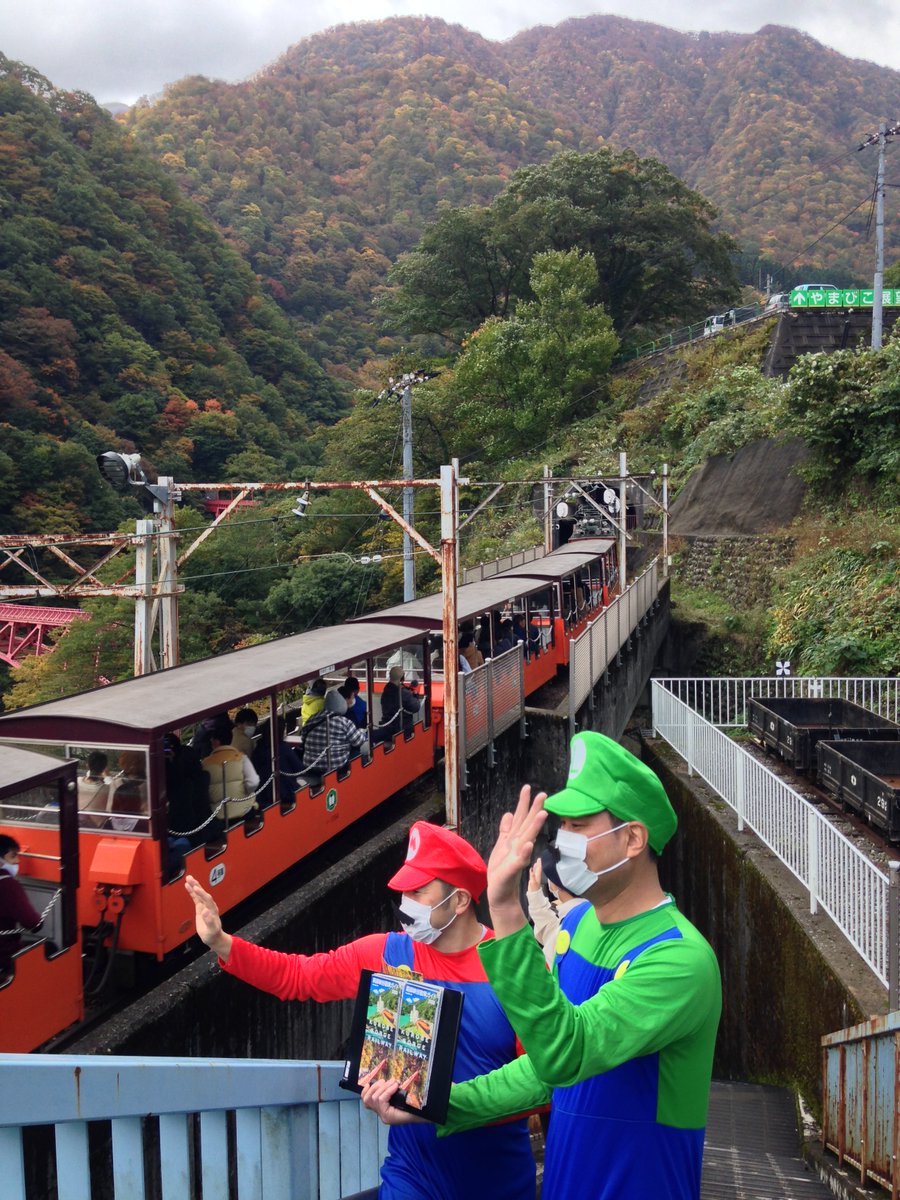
x=535, y=876
x=207, y=919
x=510, y=857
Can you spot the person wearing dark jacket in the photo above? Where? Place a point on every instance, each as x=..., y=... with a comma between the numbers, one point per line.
x=396, y=699
x=16, y=909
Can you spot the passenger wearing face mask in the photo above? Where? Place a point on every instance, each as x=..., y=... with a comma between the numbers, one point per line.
x=15, y=908
x=620, y=1035
x=439, y=883
x=244, y=733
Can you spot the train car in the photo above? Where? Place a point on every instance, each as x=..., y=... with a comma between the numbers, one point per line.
x=127, y=873
x=865, y=776
x=792, y=727
x=39, y=809
x=131, y=858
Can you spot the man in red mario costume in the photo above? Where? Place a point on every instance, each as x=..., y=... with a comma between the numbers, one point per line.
x=440, y=881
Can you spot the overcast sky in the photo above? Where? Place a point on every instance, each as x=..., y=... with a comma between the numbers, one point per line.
x=123, y=49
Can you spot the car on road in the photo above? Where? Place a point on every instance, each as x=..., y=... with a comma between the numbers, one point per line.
x=779, y=300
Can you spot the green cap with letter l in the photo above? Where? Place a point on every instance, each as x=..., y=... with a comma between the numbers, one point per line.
x=605, y=777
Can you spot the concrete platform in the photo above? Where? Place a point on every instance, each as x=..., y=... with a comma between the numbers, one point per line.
x=753, y=1147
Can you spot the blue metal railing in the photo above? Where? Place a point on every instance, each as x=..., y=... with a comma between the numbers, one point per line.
x=278, y=1130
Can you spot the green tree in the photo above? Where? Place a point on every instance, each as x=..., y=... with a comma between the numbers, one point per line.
x=651, y=238
x=846, y=406
x=323, y=591
x=523, y=378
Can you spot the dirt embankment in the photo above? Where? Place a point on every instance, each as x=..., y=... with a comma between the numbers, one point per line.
x=751, y=492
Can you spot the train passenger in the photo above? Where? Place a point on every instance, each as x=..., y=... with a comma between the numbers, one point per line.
x=331, y=739
x=93, y=791
x=187, y=799
x=290, y=766
x=244, y=731
x=128, y=793
x=620, y=1035
x=506, y=640
x=410, y=659
x=544, y=916
x=231, y=775
x=439, y=884
x=399, y=705
x=313, y=700
x=470, y=651
x=530, y=636
x=357, y=709
x=15, y=908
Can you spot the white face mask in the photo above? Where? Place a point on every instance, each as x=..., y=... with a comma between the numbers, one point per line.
x=416, y=919
x=13, y=868
x=250, y=730
x=574, y=873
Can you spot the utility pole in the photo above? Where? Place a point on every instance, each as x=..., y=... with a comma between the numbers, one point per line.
x=548, y=510
x=623, y=517
x=881, y=139
x=409, y=563
x=878, y=284
x=403, y=387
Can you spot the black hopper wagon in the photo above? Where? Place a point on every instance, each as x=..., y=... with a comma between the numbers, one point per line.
x=864, y=776
x=793, y=727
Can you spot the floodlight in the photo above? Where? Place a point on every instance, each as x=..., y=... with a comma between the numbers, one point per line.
x=121, y=470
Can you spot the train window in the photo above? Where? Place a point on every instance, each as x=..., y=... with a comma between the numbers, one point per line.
x=33, y=806
x=112, y=788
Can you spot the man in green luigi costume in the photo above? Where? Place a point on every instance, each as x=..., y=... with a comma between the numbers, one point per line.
x=620, y=1036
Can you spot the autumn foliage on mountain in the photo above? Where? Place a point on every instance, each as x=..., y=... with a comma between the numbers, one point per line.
x=126, y=321
x=326, y=166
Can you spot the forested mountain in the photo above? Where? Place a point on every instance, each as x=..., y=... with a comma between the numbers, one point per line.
x=741, y=117
x=328, y=164
x=125, y=319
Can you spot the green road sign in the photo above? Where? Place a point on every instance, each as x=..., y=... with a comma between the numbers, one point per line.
x=843, y=298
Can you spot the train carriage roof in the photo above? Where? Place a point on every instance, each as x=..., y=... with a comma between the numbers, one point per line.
x=589, y=545
x=472, y=599
x=20, y=769
x=151, y=704
x=549, y=568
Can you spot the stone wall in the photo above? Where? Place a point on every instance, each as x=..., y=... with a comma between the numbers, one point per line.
x=738, y=568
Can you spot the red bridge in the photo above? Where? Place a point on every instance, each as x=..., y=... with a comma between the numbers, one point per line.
x=23, y=628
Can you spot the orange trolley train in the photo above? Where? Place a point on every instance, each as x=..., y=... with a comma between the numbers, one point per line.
x=38, y=808
x=128, y=899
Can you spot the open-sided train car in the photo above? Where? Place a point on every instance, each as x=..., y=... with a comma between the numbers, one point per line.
x=126, y=872
x=39, y=809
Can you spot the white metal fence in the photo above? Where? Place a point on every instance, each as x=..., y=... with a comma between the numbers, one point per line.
x=724, y=702
x=491, y=699
x=507, y=563
x=854, y=892
x=595, y=648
